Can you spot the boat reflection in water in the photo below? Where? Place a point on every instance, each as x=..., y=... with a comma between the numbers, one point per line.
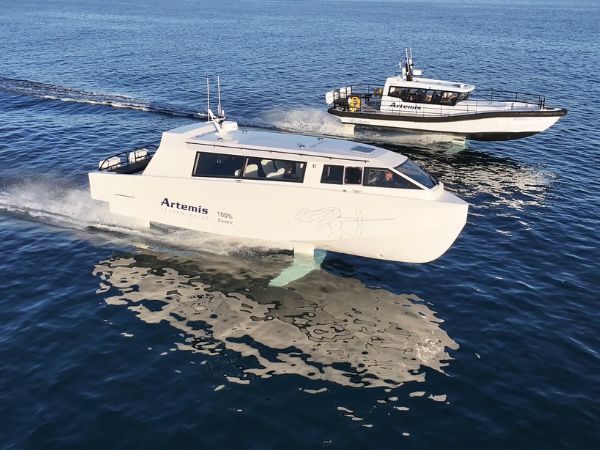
x=322, y=327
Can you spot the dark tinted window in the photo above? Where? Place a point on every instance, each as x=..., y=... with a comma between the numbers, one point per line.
x=414, y=95
x=386, y=178
x=449, y=98
x=395, y=92
x=218, y=165
x=353, y=175
x=411, y=170
x=332, y=174
x=274, y=169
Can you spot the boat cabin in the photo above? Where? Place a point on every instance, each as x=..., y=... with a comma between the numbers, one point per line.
x=243, y=155
x=424, y=90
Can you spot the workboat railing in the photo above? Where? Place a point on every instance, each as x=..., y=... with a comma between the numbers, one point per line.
x=367, y=98
x=369, y=95
x=516, y=97
x=130, y=161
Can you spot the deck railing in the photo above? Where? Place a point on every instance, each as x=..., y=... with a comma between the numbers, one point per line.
x=509, y=96
x=130, y=161
x=370, y=96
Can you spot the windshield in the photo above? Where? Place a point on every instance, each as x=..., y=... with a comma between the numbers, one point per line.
x=414, y=172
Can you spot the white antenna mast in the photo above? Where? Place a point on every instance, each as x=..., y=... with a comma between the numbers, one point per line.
x=216, y=120
x=219, y=108
x=208, y=97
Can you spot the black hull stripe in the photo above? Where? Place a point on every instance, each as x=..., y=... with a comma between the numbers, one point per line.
x=454, y=118
x=498, y=136
x=491, y=136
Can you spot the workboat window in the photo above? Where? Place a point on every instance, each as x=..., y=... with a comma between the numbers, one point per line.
x=353, y=175
x=217, y=165
x=395, y=92
x=274, y=169
x=414, y=172
x=332, y=174
x=414, y=95
x=386, y=178
x=449, y=98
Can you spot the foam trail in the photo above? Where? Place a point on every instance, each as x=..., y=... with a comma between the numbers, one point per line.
x=57, y=205
x=66, y=94
x=302, y=120
x=71, y=207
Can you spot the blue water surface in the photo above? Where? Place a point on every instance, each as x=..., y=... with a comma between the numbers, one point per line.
x=112, y=337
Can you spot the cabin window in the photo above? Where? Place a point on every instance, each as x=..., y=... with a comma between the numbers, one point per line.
x=353, y=175
x=332, y=174
x=386, y=178
x=399, y=92
x=274, y=169
x=395, y=92
x=414, y=172
x=414, y=95
x=218, y=165
x=428, y=97
x=449, y=98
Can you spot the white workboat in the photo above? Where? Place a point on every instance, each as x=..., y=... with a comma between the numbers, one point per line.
x=411, y=103
x=308, y=192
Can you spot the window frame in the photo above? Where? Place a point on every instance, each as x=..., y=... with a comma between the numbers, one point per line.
x=335, y=183
x=409, y=162
x=233, y=176
x=420, y=95
x=415, y=185
x=362, y=175
x=288, y=180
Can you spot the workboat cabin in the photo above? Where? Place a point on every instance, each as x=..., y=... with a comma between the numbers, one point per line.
x=306, y=191
x=410, y=102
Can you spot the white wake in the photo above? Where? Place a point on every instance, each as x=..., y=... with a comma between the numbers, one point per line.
x=71, y=207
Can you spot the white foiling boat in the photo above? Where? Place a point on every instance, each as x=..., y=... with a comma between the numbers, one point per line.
x=308, y=192
x=414, y=104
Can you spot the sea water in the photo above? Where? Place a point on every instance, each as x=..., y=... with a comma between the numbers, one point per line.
x=116, y=337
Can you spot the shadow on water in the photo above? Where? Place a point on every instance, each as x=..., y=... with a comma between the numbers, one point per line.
x=321, y=327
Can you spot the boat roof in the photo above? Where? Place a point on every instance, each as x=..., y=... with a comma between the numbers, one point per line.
x=293, y=144
x=429, y=83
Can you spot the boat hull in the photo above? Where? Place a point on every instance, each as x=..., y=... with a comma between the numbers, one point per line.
x=387, y=227
x=486, y=126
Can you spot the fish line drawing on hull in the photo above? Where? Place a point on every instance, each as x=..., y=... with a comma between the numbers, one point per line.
x=304, y=192
x=411, y=103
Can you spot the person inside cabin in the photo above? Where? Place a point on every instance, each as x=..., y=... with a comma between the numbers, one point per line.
x=444, y=99
x=388, y=179
x=289, y=171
